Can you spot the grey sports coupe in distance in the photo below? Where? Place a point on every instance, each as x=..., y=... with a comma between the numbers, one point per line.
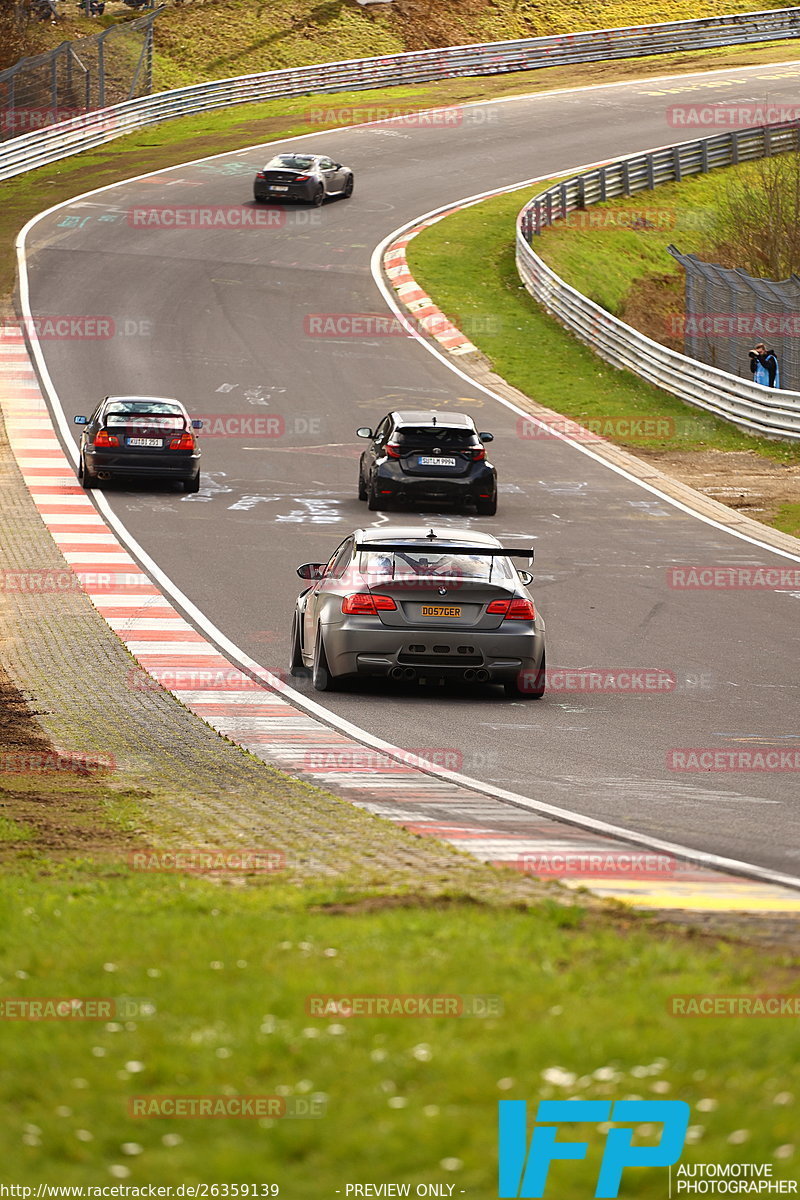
x=413, y=603
x=307, y=177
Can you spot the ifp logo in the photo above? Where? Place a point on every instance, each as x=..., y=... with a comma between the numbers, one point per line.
x=523, y=1171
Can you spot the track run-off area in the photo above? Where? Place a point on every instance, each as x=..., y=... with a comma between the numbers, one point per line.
x=228, y=319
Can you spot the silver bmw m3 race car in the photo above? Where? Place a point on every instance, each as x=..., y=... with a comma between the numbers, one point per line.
x=407, y=602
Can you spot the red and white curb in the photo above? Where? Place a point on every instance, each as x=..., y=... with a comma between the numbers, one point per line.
x=427, y=315
x=257, y=717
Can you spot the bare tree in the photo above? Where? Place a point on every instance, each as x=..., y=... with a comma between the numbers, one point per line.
x=759, y=217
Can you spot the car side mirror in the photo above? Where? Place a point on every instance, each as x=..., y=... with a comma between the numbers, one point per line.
x=80, y=420
x=486, y=437
x=337, y=166
x=364, y=432
x=311, y=570
x=197, y=424
x=525, y=576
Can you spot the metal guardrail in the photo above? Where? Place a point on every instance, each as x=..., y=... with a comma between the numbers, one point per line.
x=82, y=133
x=747, y=405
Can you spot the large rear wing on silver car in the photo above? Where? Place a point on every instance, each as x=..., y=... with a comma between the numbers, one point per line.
x=443, y=548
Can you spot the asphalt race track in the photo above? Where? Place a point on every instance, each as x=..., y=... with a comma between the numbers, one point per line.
x=219, y=318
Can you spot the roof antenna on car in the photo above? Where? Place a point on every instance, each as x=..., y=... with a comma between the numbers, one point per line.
x=431, y=537
x=433, y=420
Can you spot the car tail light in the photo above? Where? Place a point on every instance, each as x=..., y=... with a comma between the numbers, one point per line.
x=301, y=178
x=260, y=175
x=184, y=442
x=513, y=610
x=477, y=454
x=102, y=438
x=393, y=449
x=365, y=604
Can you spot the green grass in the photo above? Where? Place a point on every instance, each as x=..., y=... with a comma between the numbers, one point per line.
x=224, y=974
x=12, y=831
x=603, y=259
x=466, y=263
x=787, y=519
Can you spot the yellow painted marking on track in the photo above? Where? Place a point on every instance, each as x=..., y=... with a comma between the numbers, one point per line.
x=714, y=896
x=714, y=83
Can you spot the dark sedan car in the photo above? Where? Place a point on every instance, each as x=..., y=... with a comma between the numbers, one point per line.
x=428, y=457
x=410, y=603
x=144, y=436
x=306, y=177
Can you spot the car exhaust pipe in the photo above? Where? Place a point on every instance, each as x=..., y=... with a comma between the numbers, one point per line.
x=396, y=673
x=469, y=676
x=103, y=474
x=482, y=676
x=409, y=673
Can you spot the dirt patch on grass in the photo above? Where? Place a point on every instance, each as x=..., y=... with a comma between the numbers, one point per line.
x=743, y=480
x=654, y=305
x=18, y=730
x=56, y=806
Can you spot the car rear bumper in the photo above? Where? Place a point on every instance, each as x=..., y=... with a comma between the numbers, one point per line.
x=493, y=656
x=170, y=466
x=395, y=485
x=303, y=192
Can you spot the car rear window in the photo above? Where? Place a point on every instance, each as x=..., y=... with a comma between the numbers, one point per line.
x=151, y=420
x=428, y=564
x=295, y=162
x=427, y=436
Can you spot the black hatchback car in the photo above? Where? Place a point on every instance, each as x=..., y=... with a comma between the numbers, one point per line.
x=145, y=436
x=429, y=457
x=307, y=177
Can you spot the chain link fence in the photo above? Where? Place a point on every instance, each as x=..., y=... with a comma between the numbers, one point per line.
x=727, y=313
x=78, y=77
